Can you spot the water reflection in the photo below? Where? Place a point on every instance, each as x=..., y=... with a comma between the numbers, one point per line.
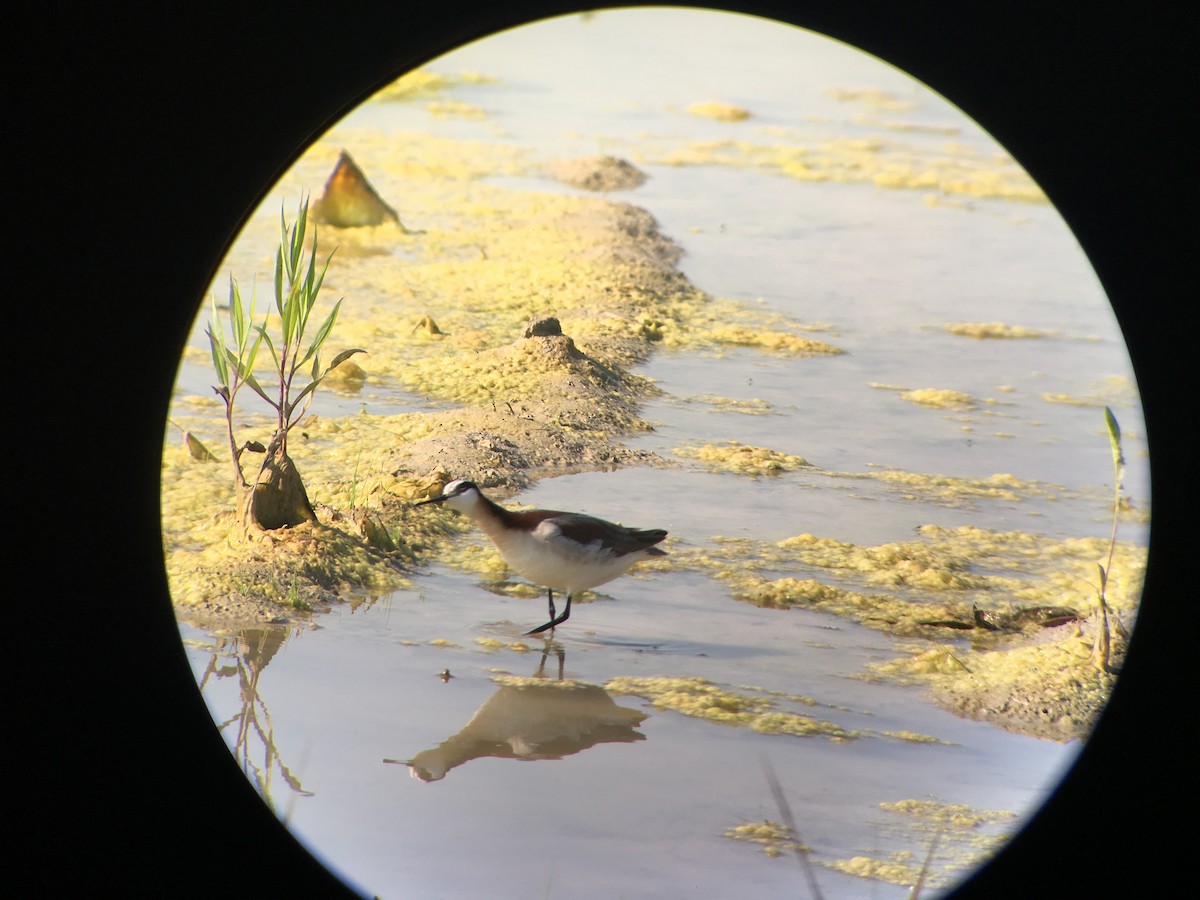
x=243, y=656
x=532, y=718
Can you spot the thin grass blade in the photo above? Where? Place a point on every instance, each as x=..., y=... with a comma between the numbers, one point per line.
x=785, y=813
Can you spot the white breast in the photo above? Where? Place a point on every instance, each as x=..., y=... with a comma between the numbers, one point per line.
x=546, y=557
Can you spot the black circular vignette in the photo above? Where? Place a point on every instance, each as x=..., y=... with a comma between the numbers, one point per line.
x=144, y=141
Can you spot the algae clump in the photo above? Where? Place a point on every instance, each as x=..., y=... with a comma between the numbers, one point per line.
x=700, y=698
x=985, y=330
x=743, y=459
x=724, y=112
x=939, y=398
x=774, y=837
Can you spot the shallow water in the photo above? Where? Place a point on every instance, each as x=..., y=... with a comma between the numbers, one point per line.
x=645, y=816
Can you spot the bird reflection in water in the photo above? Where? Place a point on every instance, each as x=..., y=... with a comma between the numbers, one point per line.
x=532, y=718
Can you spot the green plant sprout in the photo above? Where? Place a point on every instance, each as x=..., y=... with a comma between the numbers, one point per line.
x=277, y=497
x=1103, y=646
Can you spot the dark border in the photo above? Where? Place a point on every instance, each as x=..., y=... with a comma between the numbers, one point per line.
x=140, y=136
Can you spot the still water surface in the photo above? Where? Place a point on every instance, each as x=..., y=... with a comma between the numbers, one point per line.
x=639, y=810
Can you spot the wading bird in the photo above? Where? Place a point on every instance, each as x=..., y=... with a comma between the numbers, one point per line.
x=567, y=552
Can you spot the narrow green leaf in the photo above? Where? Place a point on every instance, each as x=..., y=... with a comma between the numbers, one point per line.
x=289, y=318
x=285, y=254
x=218, y=356
x=321, y=278
x=253, y=354
x=250, y=309
x=1114, y=438
x=323, y=331
x=196, y=448
x=302, y=215
x=297, y=243
x=304, y=305
x=236, y=318
x=235, y=365
x=341, y=358
x=270, y=346
x=311, y=275
x=216, y=340
x=279, y=280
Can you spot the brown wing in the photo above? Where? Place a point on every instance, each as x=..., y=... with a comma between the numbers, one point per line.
x=617, y=538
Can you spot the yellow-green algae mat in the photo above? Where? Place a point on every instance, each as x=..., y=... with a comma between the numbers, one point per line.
x=1013, y=669
x=751, y=707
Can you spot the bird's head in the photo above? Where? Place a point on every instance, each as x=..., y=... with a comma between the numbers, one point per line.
x=460, y=495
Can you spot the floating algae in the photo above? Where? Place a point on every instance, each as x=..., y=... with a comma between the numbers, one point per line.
x=493, y=645
x=943, y=574
x=742, y=459
x=774, y=837
x=951, y=837
x=915, y=737
x=723, y=112
x=773, y=341
x=456, y=108
x=952, y=170
x=749, y=407
x=938, y=398
x=897, y=870
x=950, y=490
x=874, y=97
x=951, y=814
x=700, y=698
x=985, y=330
x=1033, y=671
x=960, y=837
x=1115, y=390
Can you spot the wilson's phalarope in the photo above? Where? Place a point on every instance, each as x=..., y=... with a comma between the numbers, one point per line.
x=567, y=552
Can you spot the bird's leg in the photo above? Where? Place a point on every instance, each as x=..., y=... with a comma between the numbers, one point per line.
x=550, y=595
x=554, y=620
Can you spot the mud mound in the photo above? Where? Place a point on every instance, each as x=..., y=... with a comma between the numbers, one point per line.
x=597, y=173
